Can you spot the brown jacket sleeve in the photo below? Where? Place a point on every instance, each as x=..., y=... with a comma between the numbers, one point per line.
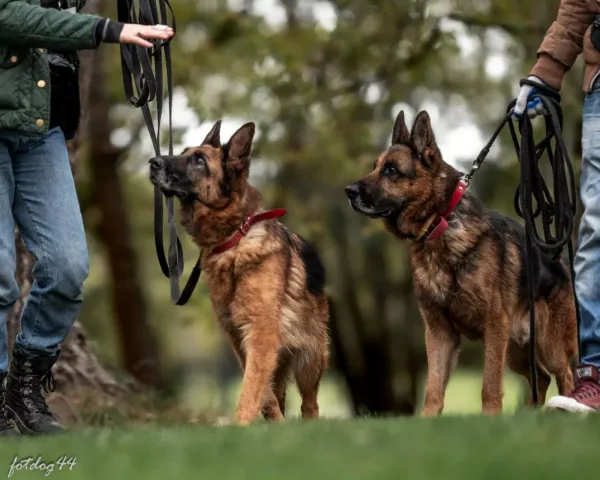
x=563, y=42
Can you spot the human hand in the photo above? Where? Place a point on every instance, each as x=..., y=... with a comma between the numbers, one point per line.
x=534, y=106
x=140, y=34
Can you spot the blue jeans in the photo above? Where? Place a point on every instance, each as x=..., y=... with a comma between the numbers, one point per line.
x=587, y=259
x=38, y=192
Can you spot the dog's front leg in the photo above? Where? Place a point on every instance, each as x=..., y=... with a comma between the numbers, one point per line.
x=261, y=362
x=495, y=345
x=442, y=345
x=256, y=311
x=271, y=409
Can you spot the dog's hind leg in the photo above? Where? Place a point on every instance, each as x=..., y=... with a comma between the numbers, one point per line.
x=564, y=380
x=274, y=407
x=280, y=380
x=271, y=410
x=308, y=370
x=518, y=361
x=560, y=345
x=564, y=376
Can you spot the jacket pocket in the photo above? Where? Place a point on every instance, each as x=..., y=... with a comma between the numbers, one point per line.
x=14, y=67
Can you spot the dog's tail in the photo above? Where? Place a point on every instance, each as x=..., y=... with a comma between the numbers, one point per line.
x=315, y=271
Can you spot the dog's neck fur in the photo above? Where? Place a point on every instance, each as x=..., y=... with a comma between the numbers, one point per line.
x=410, y=223
x=209, y=227
x=466, y=215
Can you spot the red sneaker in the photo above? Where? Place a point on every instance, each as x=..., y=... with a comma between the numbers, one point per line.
x=585, y=397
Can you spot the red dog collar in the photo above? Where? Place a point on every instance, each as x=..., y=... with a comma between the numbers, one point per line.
x=440, y=224
x=249, y=222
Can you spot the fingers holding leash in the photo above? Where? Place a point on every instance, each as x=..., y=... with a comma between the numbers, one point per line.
x=535, y=106
x=526, y=100
x=140, y=34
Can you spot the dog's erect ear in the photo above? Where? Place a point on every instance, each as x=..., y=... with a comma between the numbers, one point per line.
x=239, y=146
x=214, y=136
x=423, y=139
x=400, y=132
x=422, y=135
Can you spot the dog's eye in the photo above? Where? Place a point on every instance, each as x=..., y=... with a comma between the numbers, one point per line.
x=389, y=170
x=200, y=158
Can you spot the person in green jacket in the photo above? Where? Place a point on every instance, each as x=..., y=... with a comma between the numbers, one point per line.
x=39, y=111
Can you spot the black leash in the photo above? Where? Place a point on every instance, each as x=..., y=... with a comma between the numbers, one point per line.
x=534, y=198
x=136, y=67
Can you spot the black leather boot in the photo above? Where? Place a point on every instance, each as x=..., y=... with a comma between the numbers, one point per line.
x=6, y=429
x=25, y=403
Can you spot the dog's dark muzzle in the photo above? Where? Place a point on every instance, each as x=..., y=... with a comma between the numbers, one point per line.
x=170, y=164
x=156, y=163
x=165, y=175
x=158, y=175
x=361, y=203
x=166, y=165
x=354, y=196
x=352, y=191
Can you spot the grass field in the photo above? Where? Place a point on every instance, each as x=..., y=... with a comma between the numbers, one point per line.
x=460, y=445
x=463, y=395
x=527, y=445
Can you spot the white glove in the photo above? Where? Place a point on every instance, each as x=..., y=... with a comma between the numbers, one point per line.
x=533, y=107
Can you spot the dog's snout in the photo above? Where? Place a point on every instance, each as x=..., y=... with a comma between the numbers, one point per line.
x=352, y=191
x=156, y=162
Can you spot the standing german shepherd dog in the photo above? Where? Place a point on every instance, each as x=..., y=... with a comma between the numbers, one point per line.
x=265, y=283
x=471, y=280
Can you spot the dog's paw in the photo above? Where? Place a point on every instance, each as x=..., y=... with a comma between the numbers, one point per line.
x=429, y=412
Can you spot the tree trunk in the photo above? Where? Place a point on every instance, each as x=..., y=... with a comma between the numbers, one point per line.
x=138, y=345
x=380, y=366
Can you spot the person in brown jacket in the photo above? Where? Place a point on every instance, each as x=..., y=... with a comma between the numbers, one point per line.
x=574, y=31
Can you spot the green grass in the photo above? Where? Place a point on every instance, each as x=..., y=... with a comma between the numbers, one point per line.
x=460, y=445
x=463, y=395
x=527, y=445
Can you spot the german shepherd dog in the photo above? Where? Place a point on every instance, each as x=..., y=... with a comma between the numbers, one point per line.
x=471, y=281
x=267, y=290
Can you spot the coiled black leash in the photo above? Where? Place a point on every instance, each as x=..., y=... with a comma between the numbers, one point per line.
x=534, y=198
x=136, y=67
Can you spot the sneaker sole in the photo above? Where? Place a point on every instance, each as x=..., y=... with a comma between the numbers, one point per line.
x=568, y=404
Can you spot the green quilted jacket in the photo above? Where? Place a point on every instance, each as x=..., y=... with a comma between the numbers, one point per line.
x=26, y=31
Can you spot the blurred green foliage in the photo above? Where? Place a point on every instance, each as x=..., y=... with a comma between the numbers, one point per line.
x=323, y=80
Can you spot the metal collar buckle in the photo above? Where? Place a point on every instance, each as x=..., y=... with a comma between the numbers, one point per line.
x=245, y=227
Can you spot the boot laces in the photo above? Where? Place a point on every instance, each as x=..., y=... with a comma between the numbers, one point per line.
x=32, y=391
x=3, y=416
